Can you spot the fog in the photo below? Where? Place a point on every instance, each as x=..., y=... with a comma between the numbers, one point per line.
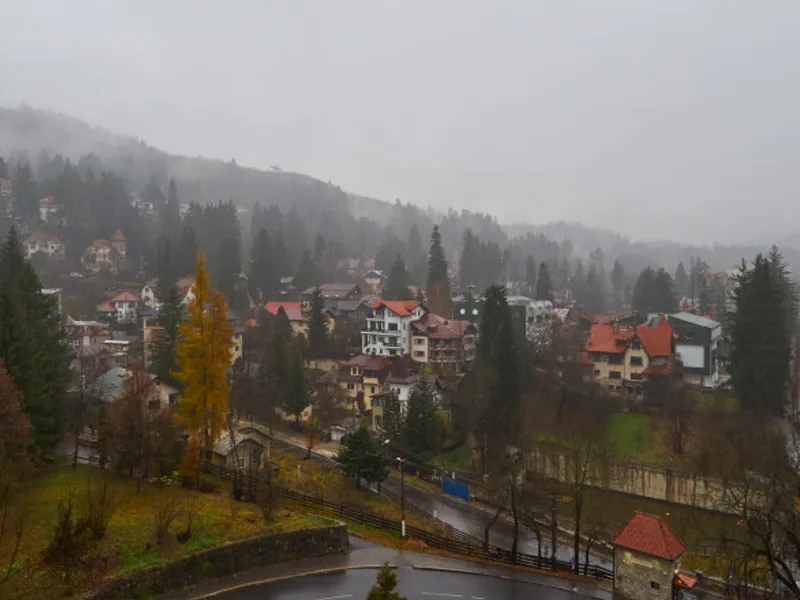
x=670, y=120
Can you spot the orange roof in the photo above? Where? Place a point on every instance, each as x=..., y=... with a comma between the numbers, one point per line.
x=402, y=308
x=657, y=341
x=124, y=297
x=603, y=339
x=649, y=535
x=118, y=237
x=293, y=310
x=684, y=580
x=252, y=322
x=105, y=307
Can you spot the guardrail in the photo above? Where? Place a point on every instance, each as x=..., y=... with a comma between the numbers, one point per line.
x=457, y=542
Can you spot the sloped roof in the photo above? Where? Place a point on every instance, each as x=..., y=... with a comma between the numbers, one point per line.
x=293, y=310
x=105, y=307
x=401, y=308
x=436, y=327
x=125, y=297
x=368, y=362
x=333, y=290
x=695, y=320
x=48, y=202
x=602, y=338
x=657, y=341
x=649, y=535
x=118, y=237
x=42, y=236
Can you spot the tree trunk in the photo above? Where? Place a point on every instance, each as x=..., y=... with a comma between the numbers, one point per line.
x=515, y=515
x=586, y=556
x=577, y=540
x=489, y=525
x=553, y=529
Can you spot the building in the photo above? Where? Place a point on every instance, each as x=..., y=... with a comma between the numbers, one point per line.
x=388, y=327
x=537, y=316
x=646, y=559
x=363, y=376
x=697, y=346
x=148, y=295
x=401, y=382
x=444, y=345
x=185, y=287
x=85, y=334
x=56, y=295
x=249, y=445
x=375, y=280
x=468, y=308
x=45, y=244
x=624, y=356
x=48, y=209
x=104, y=255
x=122, y=308
x=298, y=319
x=334, y=291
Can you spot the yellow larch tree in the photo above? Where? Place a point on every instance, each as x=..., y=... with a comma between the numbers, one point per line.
x=203, y=355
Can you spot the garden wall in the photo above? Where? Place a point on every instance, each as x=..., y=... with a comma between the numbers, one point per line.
x=638, y=479
x=225, y=560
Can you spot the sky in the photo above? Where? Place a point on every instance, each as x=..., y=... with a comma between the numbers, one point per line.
x=674, y=120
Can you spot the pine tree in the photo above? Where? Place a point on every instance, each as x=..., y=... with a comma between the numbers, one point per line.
x=617, y=282
x=187, y=251
x=319, y=248
x=439, y=298
x=26, y=206
x=203, y=357
x=594, y=300
x=760, y=344
x=318, y=337
x=653, y=293
x=262, y=275
x=416, y=257
x=172, y=211
x=544, y=288
x=397, y=284
x=307, y=274
x=782, y=276
x=530, y=275
x=393, y=419
x=681, y=282
x=296, y=394
x=362, y=457
x=384, y=586
x=422, y=427
x=33, y=347
x=164, y=348
x=229, y=267
x=578, y=284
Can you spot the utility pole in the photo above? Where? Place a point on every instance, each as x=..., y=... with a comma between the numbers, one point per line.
x=553, y=528
x=402, y=498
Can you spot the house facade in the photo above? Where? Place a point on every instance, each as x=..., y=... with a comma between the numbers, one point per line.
x=624, y=356
x=362, y=377
x=697, y=346
x=47, y=209
x=123, y=308
x=46, y=244
x=298, y=319
x=104, y=255
x=333, y=291
x=444, y=345
x=388, y=327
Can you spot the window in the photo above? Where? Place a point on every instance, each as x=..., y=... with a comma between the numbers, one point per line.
x=597, y=371
x=614, y=375
x=636, y=345
x=392, y=327
x=372, y=389
x=688, y=335
x=419, y=341
x=351, y=386
x=636, y=376
x=636, y=361
x=655, y=585
x=419, y=354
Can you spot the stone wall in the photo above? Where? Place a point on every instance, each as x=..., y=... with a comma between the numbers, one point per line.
x=638, y=479
x=641, y=577
x=225, y=560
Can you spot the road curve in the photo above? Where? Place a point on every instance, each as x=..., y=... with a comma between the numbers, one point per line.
x=414, y=584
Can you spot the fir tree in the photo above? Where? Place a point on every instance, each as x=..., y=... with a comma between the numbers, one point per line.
x=317, y=324
x=416, y=257
x=262, y=273
x=26, y=204
x=384, y=586
x=617, y=282
x=594, y=299
x=393, y=419
x=33, y=347
x=421, y=426
x=229, y=268
x=169, y=318
x=530, y=275
x=438, y=283
x=307, y=274
x=578, y=284
x=397, y=284
x=544, y=288
x=760, y=345
x=681, y=282
x=187, y=252
x=362, y=457
x=780, y=271
x=653, y=293
x=296, y=394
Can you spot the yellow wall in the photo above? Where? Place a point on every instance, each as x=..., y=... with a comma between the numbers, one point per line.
x=625, y=369
x=237, y=342
x=419, y=344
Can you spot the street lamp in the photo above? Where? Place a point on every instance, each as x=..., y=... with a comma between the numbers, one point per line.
x=402, y=499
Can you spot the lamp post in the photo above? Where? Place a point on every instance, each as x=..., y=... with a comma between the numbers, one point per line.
x=402, y=499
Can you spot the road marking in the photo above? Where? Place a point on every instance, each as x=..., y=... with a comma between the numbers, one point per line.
x=337, y=597
x=477, y=598
x=438, y=594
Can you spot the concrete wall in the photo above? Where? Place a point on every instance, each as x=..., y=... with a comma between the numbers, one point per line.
x=225, y=560
x=638, y=479
x=641, y=577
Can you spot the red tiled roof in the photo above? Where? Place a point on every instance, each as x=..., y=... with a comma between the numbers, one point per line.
x=48, y=202
x=684, y=580
x=657, y=341
x=660, y=370
x=118, y=237
x=402, y=308
x=437, y=327
x=649, y=535
x=602, y=338
x=293, y=310
x=124, y=297
x=105, y=307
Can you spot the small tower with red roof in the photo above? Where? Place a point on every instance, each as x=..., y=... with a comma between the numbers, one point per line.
x=646, y=558
x=118, y=242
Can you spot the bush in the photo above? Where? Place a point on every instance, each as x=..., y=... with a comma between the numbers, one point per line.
x=166, y=508
x=99, y=505
x=71, y=534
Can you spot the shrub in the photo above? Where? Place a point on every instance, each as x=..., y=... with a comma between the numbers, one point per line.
x=99, y=505
x=71, y=534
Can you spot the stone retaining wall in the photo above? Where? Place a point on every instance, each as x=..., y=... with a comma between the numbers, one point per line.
x=225, y=560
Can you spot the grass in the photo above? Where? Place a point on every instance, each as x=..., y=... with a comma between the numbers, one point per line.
x=128, y=543
x=458, y=459
x=632, y=436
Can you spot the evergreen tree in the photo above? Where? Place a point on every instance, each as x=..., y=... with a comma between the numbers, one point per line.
x=760, y=345
x=393, y=419
x=468, y=268
x=277, y=359
x=416, y=257
x=653, y=293
x=681, y=282
x=280, y=259
x=617, y=282
x=319, y=248
x=166, y=265
x=230, y=267
x=307, y=274
x=26, y=205
x=530, y=275
x=439, y=298
x=594, y=299
x=362, y=457
x=169, y=318
x=203, y=356
x=384, y=586
x=578, y=284
x=397, y=284
x=33, y=347
x=262, y=273
x=153, y=194
x=317, y=324
x=187, y=251
x=172, y=210
x=422, y=427
x=544, y=288
x=780, y=271
x=296, y=393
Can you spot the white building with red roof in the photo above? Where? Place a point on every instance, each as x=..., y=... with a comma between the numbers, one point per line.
x=46, y=244
x=388, y=331
x=124, y=307
x=106, y=255
x=48, y=208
